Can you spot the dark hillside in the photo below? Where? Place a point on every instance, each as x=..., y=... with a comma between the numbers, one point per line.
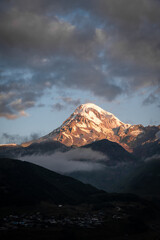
x=26, y=183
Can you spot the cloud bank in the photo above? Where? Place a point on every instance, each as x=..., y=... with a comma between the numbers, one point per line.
x=71, y=161
x=107, y=47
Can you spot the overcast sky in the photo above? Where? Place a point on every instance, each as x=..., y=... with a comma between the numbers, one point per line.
x=57, y=54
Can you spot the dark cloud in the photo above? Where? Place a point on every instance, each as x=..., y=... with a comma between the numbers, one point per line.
x=151, y=99
x=40, y=105
x=70, y=101
x=18, y=95
x=58, y=106
x=16, y=138
x=110, y=48
x=14, y=103
x=66, y=102
x=38, y=37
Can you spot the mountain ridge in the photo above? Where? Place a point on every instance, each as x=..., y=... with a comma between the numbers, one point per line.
x=89, y=123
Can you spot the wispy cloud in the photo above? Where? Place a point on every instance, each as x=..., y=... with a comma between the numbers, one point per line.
x=16, y=138
x=154, y=157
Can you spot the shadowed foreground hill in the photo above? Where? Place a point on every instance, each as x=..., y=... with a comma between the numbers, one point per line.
x=101, y=216
x=25, y=183
x=146, y=179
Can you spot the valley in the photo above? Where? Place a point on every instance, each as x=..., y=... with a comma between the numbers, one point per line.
x=93, y=177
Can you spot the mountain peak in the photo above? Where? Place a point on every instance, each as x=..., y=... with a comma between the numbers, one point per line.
x=96, y=114
x=86, y=124
x=86, y=106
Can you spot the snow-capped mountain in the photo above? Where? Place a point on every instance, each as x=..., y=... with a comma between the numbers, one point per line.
x=89, y=123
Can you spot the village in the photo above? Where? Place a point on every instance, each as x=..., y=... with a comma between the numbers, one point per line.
x=38, y=220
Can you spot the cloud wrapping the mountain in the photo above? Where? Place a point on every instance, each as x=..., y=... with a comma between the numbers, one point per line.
x=107, y=47
x=71, y=161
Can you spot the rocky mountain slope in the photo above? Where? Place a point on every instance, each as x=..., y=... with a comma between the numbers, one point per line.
x=91, y=123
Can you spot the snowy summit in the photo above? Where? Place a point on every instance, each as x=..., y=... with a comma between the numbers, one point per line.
x=88, y=110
